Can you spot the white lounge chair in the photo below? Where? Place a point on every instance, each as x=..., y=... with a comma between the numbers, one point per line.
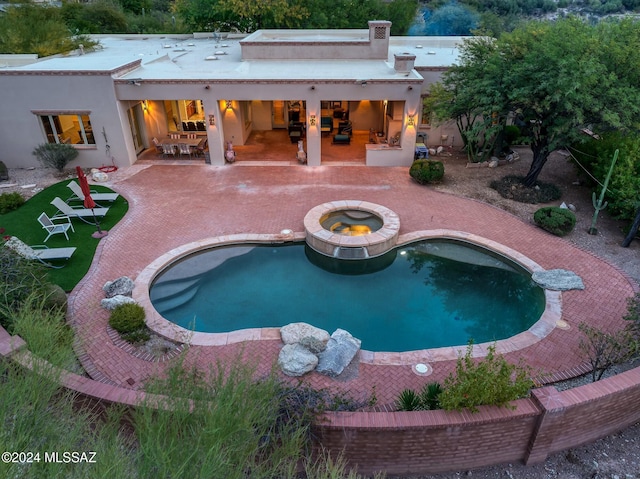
x=84, y=214
x=53, y=228
x=39, y=252
x=78, y=195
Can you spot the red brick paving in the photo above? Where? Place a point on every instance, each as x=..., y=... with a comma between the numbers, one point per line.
x=171, y=205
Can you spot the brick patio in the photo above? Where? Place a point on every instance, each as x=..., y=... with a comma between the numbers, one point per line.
x=171, y=205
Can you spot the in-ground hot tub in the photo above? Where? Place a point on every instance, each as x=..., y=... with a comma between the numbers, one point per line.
x=351, y=229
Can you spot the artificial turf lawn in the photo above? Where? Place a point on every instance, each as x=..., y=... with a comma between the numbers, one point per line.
x=23, y=223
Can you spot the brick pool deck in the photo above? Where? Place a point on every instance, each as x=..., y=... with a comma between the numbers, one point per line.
x=172, y=205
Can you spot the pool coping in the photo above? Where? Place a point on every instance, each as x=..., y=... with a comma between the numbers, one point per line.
x=549, y=320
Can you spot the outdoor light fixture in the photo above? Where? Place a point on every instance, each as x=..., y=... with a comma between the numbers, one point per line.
x=135, y=81
x=312, y=120
x=411, y=121
x=145, y=105
x=228, y=107
x=212, y=120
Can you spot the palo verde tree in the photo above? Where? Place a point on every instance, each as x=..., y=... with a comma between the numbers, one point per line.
x=560, y=77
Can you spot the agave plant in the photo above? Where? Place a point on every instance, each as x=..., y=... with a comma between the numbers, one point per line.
x=408, y=400
x=429, y=396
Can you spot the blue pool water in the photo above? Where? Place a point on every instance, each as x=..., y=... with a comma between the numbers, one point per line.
x=425, y=295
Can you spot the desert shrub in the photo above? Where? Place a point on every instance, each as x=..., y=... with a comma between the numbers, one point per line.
x=623, y=193
x=55, y=155
x=128, y=320
x=511, y=134
x=427, y=399
x=19, y=278
x=511, y=187
x=492, y=381
x=430, y=396
x=10, y=202
x=604, y=350
x=427, y=171
x=555, y=220
x=633, y=315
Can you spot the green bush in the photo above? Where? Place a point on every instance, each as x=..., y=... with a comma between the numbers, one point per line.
x=55, y=155
x=429, y=398
x=492, y=381
x=10, y=202
x=555, y=220
x=128, y=320
x=427, y=171
x=623, y=193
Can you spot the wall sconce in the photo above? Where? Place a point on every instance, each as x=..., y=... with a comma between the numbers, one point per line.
x=312, y=120
x=411, y=121
x=212, y=120
x=145, y=105
x=228, y=105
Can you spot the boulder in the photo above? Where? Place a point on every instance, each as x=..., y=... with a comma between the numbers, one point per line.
x=341, y=349
x=296, y=360
x=313, y=344
x=295, y=332
x=113, y=303
x=121, y=286
x=558, y=280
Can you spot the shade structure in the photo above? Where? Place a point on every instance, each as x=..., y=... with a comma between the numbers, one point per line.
x=88, y=200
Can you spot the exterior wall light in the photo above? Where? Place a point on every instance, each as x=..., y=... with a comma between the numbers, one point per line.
x=312, y=120
x=145, y=105
x=228, y=105
x=411, y=121
x=212, y=120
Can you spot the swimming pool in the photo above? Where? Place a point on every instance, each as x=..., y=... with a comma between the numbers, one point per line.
x=422, y=295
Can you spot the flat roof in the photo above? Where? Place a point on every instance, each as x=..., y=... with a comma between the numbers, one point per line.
x=214, y=56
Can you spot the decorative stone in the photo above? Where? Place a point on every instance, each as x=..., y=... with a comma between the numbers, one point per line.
x=296, y=332
x=558, y=280
x=494, y=162
x=313, y=344
x=121, y=286
x=296, y=360
x=99, y=176
x=113, y=303
x=341, y=349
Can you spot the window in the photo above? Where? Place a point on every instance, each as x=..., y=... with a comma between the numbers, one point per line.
x=74, y=129
x=425, y=118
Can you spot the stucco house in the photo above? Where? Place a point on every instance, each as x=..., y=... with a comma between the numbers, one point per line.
x=112, y=103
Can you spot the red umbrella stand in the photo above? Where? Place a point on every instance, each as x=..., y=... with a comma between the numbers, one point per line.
x=88, y=201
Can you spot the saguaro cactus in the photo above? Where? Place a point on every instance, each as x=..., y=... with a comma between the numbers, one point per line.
x=600, y=204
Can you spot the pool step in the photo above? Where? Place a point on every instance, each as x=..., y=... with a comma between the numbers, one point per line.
x=167, y=295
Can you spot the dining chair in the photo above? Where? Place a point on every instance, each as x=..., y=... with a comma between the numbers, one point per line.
x=184, y=149
x=168, y=150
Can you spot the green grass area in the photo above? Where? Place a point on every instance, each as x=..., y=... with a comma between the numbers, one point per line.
x=23, y=223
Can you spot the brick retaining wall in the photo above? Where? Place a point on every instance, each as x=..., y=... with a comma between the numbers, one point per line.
x=425, y=442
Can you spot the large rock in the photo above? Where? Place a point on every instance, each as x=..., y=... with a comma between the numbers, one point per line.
x=558, y=279
x=296, y=332
x=341, y=349
x=113, y=303
x=121, y=286
x=296, y=360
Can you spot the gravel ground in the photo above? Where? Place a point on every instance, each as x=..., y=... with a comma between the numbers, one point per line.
x=614, y=457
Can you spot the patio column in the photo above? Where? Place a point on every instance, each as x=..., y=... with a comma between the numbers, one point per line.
x=313, y=131
x=215, y=133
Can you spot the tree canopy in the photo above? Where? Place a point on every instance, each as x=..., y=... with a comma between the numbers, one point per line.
x=558, y=78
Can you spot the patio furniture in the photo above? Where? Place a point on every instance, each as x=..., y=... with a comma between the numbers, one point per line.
x=326, y=125
x=39, y=252
x=345, y=128
x=341, y=140
x=168, y=149
x=157, y=144
x=79, y=196
x=52, y=228
x=296, y=131
x=201, y=126
x=79, y=212
x=184, y=149
x=200, y=147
